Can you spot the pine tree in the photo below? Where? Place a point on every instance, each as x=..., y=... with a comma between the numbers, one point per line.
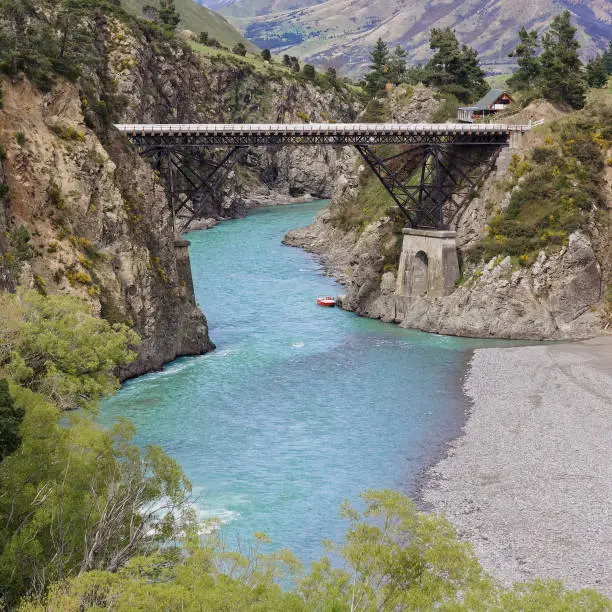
x=596, y=74
x=309, y=72
x=397, y=65
x=454, y=69
x=562, y=77
x=266, y=55
x=529, y=69
x=10, y=421
x=378, y=76
x=168, y=15
x=607, y=59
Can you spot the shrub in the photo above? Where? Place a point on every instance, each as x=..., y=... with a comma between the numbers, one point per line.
x=68, y=132
x=239, y=49
x=554, y=191
x=309, y=72
x=447, y=109
x=20, y=138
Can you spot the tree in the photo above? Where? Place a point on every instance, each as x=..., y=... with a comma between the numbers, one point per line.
x=294, y=63
x=378, y=76
x=528, y=73
x=266, y=55
x=309, y=72
x=332, y=74
x=455, y=68
x=286, y=61
x=239, y=49
x=562, y=77
x=76, y=498
x=10, y=421
x=397, y=65
x=168, y=15
x=56, y=347
x=596, y=74
x=203, y=38
x=607, y=58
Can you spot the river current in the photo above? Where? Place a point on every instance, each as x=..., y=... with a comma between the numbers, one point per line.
x=300, y=407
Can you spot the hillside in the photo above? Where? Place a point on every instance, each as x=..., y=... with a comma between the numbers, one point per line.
x=198, y=18
x=342, y=33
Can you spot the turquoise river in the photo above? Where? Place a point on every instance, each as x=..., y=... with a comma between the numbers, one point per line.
x=300, y=407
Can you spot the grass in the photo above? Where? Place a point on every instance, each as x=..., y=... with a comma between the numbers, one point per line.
x=198, y=19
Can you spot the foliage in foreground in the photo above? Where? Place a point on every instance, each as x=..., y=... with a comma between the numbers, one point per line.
x=393, y=558
x=53, y=345
x=88, y=520
x=75, y=498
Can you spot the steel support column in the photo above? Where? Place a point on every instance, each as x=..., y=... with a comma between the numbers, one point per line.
x=432, y=184
x=189, y=177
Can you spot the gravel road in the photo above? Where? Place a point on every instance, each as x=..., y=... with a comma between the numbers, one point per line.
x=530, y=481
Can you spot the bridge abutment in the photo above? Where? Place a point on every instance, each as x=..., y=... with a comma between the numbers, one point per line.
x=429, y=266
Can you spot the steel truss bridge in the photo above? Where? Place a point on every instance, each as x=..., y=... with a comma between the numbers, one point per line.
x=431, y=172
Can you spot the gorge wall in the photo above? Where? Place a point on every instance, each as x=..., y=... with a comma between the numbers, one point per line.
x=557, y=291
x=169, y=83
x=82, y=214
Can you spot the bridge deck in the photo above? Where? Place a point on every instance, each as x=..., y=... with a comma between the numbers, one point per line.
x=306, y=129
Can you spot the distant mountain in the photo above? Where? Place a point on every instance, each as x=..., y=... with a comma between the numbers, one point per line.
x=341, y=32
x=197, y=19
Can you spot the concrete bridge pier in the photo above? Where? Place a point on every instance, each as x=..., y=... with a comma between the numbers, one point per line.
x=429, y=266
x=183, y=266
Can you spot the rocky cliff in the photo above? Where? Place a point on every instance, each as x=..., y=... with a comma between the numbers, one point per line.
x=89, y=220
x=534, y=243
x=81, y=213
x=170, y=83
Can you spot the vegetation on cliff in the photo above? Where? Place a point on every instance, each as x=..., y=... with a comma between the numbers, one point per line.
x=556, y=188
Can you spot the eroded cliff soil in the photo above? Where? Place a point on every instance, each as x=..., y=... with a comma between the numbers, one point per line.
x=561, y=294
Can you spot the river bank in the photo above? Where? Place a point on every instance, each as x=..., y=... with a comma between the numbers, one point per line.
x=529, y=482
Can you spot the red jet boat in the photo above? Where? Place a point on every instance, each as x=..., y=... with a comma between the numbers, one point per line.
x=326, y=301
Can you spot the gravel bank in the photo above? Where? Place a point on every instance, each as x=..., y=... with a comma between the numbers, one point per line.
x=530, y=481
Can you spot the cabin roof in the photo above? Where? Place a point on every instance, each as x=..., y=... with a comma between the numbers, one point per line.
x=487, y=100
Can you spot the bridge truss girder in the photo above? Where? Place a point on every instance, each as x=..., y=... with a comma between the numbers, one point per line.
x=431, y=182
x=189, y=176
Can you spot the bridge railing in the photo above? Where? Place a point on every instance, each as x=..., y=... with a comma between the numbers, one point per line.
x=320, y=128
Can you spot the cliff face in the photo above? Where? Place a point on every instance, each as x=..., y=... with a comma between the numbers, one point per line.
x=98, y=224
x=81, y=213
x=558, y=292
x=169, y=83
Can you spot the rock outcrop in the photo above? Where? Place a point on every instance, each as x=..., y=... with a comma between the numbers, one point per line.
x=90, y=218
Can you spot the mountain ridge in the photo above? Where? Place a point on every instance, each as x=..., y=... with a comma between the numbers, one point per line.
x=341, y=33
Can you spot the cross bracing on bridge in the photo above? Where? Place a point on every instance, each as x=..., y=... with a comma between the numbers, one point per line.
x=429, y=179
